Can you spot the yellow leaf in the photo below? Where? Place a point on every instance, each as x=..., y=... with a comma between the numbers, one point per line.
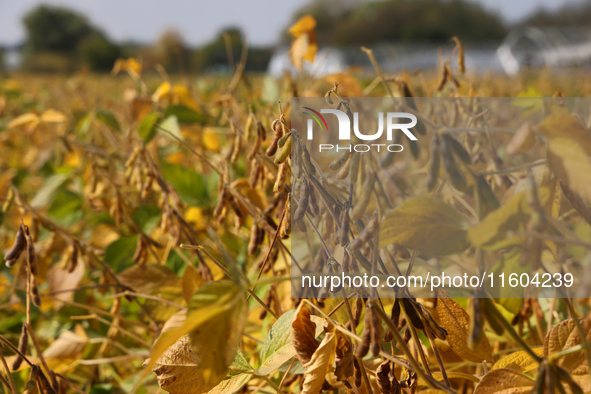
x=181, y=95
x=504, y=379
x=564, y=336
x=303, y=25
x=569, y=152
x=191, y=281
x=522, y=141
x=131, y=65
x=194, y=215
x=145, y=278
x=194, y=357
x=318, y=365
x=456, y=321
x=29, y=119
x=520, y=361
x=64, y=353
x=426, y=224
x=493, y=232
x=163, y=91
x=211, y=140
x=53, y=116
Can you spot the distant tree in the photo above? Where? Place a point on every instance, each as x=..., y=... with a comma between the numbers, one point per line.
x=59, y=40
x=368, y=22
x=214, y=55
x=569, y=15
x=56, y=29
x=171, y=51
x=98, y=53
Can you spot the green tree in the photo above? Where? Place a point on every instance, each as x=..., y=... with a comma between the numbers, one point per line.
x=98, y=53
x=56, y=29
x=364, y=23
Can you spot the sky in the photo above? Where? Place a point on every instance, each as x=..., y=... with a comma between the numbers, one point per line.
x=200, y=20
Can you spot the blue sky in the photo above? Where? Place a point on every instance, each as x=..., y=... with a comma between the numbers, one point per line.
x=200, y=20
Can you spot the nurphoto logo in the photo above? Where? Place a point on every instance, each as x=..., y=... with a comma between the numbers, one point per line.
x=392, y=119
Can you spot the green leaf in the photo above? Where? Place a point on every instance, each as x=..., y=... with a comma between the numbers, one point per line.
x=146, y=217
x=66, y=208
x=197, y=354
x=235, y=380
x=147, y=128
x=189, y=184
x=83, y=124
x=107, y=118
x=119, y=254
x=171, y=124
x=49, y=189
x=278, y=348
x=426, y=224
x=185, y=115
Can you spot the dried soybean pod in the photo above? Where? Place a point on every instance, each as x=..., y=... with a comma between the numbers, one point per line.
x=44, y=385
x=258, y=141
x=394, y=318
x=287, y=218
x=73, y=260
x=411, y=312
x=346, y=168
x=365, y=235
x=451, y=77
x=221, y=202
x=358, y=380
x=340, y=161
x=307, y=161
x=456, y=178
x=357, y=309
x=363, y=347
x=277, y=134
x=235, y=148
x=383, y=200
x=354, y=169
x=302, y=226
x=35, y=296
x=282, y=140
x=304, y=201
x=314, y=208
x=345, y=226
x=327, y=226
x=434, y=164
x=253, y=242
x=261, y=131
x=31, y=258
x=359, y=209
x=461, y=65
x=458, y=149
x=248, y=126
x=19, y=245
x=23, y=345
x=376, y=332
x=281, y=175
x=284, y=152
x=443, y=80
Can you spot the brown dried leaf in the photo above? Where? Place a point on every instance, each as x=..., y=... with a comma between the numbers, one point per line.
x=60, y=280
x=303, y=334
x=456, y=321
